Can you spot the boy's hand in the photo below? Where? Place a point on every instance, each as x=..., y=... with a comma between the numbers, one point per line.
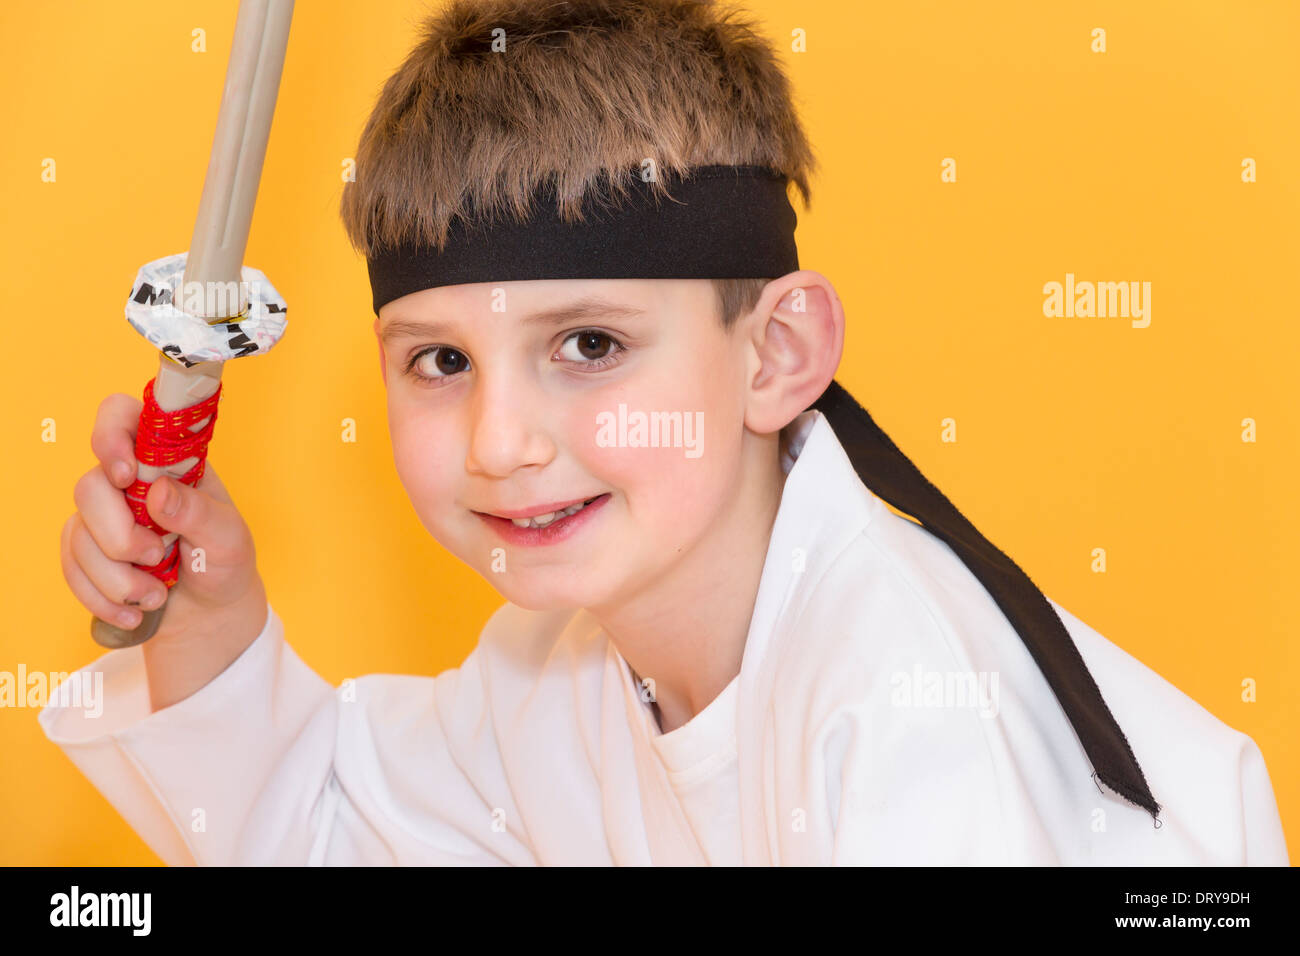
x=102, y=540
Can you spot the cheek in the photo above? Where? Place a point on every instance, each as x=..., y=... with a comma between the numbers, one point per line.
x=425, y=455
x=675, y=490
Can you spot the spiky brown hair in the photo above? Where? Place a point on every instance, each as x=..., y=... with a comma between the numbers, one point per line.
x=582, y=89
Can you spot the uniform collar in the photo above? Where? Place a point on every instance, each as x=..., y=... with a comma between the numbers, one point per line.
x=824, y=506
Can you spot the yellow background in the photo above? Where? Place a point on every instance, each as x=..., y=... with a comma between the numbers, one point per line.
x=1073, y=434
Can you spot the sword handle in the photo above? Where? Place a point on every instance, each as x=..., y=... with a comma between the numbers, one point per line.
x=176, y=387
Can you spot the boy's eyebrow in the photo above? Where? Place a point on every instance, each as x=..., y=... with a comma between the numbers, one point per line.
x=587, y=308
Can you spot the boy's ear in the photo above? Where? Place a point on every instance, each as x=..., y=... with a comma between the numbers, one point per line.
x=383, y=365
x=798, y=339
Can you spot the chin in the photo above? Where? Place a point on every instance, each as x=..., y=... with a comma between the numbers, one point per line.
x=531, y=599
x=531, y=595
x=538, y=596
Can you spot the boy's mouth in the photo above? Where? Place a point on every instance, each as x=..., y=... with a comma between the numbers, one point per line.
x=548, y=528
x=538, y=518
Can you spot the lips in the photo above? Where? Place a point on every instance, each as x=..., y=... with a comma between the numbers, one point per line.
x=558, y=529
x=538, y=509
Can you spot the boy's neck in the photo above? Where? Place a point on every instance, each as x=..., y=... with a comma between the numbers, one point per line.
x=687, y=631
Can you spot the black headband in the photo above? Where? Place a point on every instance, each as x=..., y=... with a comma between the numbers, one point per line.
x=722, y=222
x=733, y=223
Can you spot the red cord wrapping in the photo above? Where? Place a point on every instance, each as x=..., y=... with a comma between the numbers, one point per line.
x=164, y=438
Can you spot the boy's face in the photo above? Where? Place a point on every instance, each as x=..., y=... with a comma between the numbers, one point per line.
x=519, y=412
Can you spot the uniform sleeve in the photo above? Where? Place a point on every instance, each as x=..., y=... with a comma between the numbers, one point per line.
x=268, y=764
x=1209, y=777
x=1265, y=841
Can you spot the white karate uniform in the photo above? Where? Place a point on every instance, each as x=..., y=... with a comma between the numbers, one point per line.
x=538, y=749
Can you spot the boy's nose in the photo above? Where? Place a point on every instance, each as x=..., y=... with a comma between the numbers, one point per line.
x=507, y=430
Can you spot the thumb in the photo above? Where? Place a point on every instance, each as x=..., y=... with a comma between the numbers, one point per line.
x=200, y=518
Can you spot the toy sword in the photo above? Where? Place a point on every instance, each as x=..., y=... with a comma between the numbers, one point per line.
x=203, y=307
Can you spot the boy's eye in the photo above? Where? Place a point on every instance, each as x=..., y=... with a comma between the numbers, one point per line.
x=437, y=362
x=589, y=349
x=589, y=346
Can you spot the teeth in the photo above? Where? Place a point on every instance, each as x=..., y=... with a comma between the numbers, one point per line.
x=541, y=521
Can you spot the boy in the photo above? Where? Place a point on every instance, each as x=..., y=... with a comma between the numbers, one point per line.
x=720, y=646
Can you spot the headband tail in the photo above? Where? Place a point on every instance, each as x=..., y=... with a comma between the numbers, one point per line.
x=890, y=475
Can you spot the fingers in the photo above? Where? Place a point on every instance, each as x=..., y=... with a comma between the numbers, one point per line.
x=118, y=581
x=111, y=524
x=113, y=437
x=201, y=519
x=93, y=578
